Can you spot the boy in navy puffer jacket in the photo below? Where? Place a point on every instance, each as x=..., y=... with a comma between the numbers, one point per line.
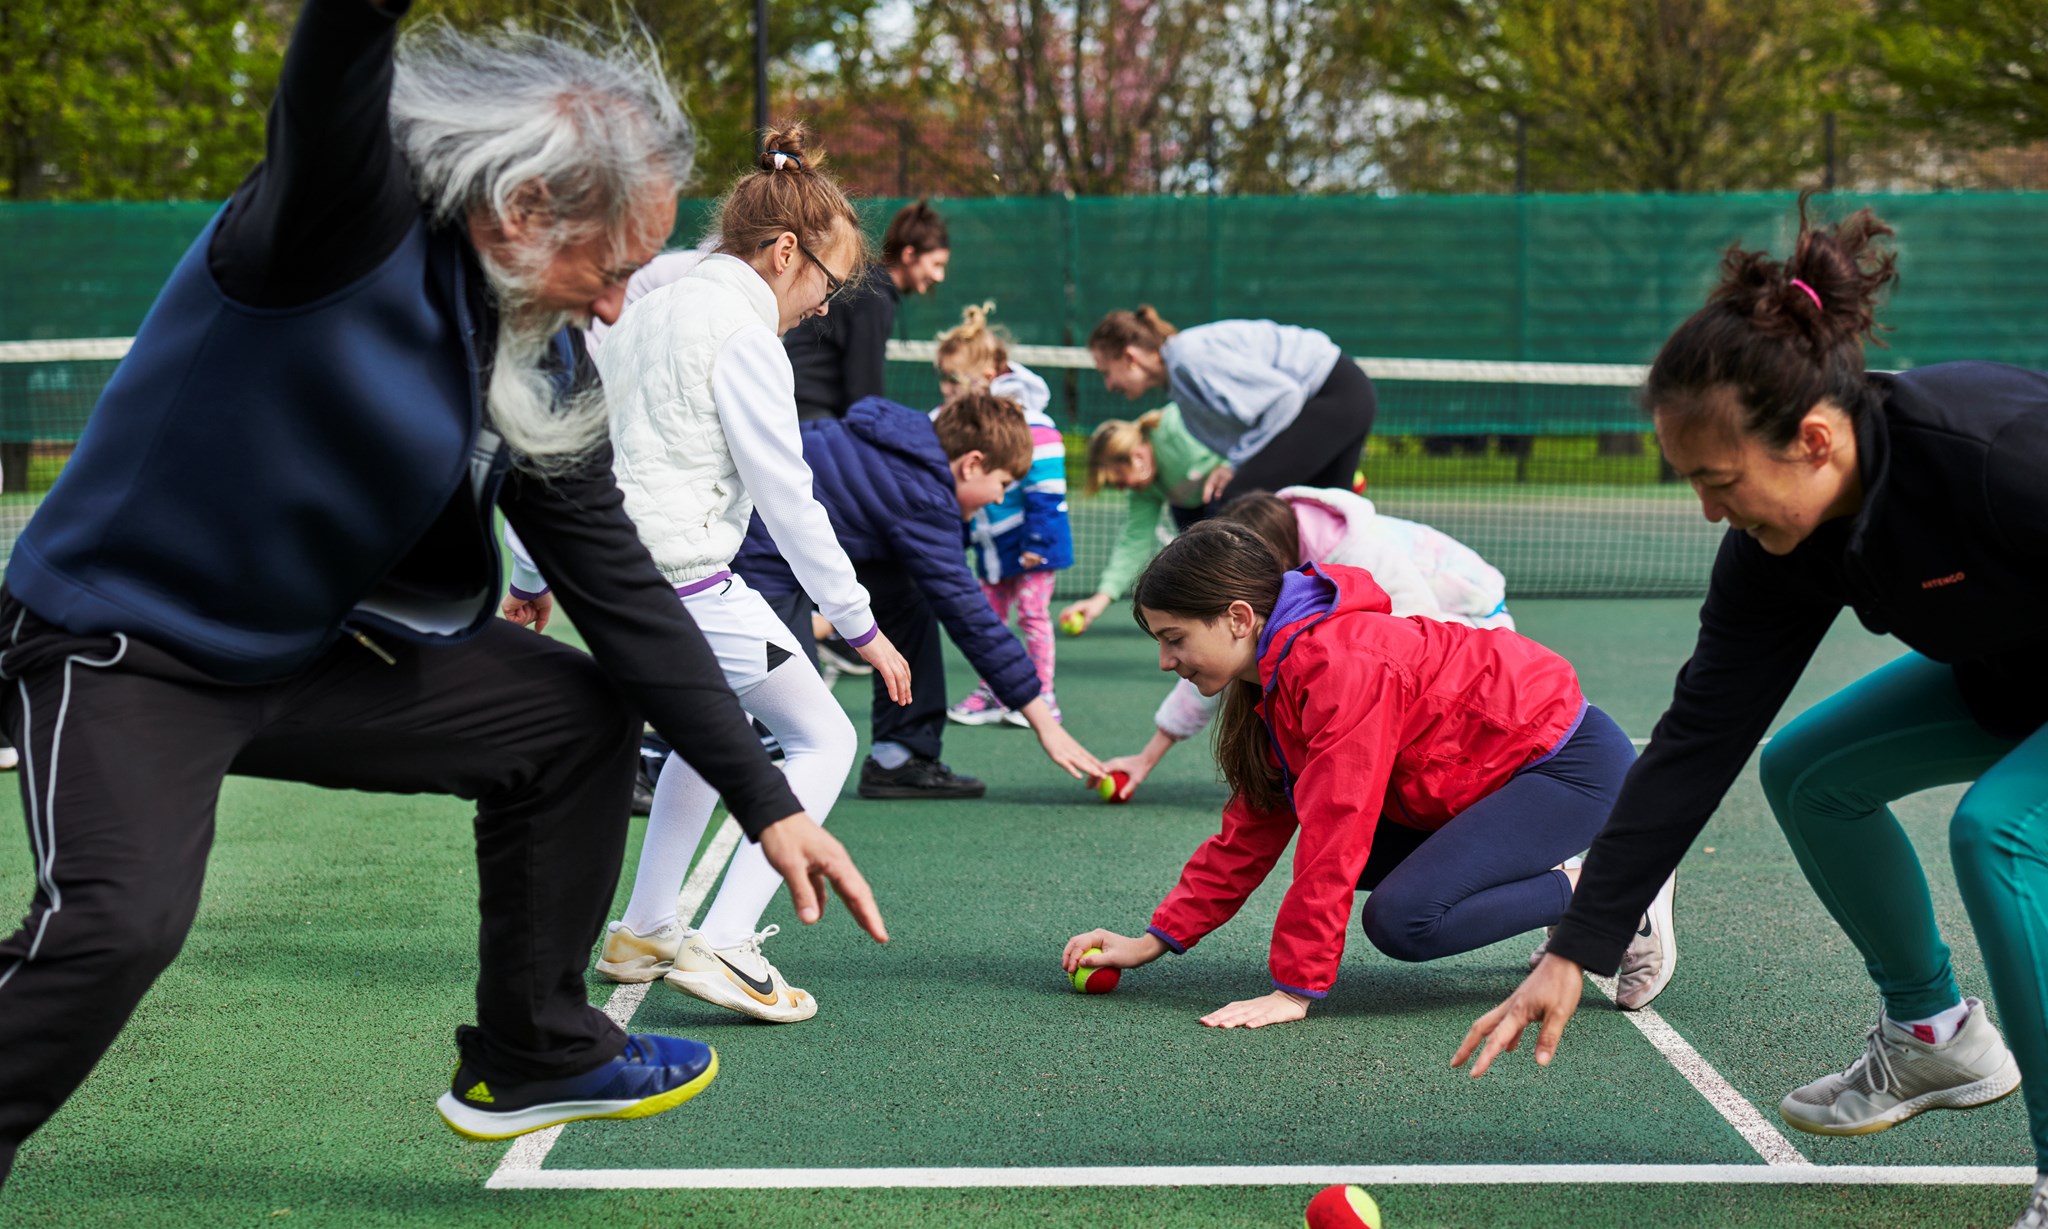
x=897, y=486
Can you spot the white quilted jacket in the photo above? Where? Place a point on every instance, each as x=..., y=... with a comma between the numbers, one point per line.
x=673, y=462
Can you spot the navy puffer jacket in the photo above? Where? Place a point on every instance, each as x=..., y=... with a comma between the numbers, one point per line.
x=886, y=485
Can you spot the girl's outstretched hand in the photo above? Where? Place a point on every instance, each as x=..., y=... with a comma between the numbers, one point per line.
x=1118, y=951
x=1278, y=1007
x=889, y=664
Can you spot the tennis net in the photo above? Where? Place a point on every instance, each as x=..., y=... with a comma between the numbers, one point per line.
x=1546, y=469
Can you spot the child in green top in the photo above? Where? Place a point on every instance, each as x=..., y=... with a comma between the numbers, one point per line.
x=1163, y=467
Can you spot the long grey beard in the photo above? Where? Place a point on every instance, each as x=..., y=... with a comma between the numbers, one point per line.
x=550, y=433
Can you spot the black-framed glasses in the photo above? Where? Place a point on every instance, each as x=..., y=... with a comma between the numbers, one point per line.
x=834, y=286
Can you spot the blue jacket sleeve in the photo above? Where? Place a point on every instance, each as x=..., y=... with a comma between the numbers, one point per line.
x=927, y=540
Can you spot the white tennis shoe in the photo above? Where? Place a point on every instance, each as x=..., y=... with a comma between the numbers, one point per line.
x=739, y=978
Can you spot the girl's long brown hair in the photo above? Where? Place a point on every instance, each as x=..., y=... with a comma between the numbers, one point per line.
x=1197, y=576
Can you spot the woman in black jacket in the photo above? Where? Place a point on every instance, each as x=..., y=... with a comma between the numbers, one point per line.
x=1921, y=501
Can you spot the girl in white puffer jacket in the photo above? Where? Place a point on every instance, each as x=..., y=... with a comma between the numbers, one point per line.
x=704, y=428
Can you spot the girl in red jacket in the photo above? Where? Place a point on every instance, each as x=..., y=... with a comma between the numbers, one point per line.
x=1449, y=771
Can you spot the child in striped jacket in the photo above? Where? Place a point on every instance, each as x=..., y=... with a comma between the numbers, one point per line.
x=1018, y=544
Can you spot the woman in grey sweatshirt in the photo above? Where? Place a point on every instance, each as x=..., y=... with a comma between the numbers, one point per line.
x=1281, y=404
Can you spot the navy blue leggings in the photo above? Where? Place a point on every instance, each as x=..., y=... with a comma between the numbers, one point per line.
x=1490, y=874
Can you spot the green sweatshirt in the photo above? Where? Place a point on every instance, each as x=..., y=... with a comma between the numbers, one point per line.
x=1181, y=463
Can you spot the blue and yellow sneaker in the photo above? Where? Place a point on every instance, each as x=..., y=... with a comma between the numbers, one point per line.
x=653, y=1073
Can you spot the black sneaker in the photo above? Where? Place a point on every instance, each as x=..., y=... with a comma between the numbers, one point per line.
x=919, y=777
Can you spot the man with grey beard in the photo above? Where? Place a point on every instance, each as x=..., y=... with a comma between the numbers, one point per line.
x=271, y=554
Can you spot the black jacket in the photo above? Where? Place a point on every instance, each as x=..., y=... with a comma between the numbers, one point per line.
x=1949, y=553
x=330, y=206
x=840, y=357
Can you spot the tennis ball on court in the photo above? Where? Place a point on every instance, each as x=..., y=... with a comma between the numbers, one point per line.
x=1112, y=786
x=1096, y=981
x=1073, y=624
x=1342, y=1207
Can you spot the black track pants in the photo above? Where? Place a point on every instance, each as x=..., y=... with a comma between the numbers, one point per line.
x=122, y=754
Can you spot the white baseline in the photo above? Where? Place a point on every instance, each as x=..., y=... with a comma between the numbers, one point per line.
x=1258, y=1175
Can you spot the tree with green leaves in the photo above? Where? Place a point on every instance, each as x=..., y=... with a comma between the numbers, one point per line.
x=1973, y=71
x=1618, y=95
x=133, y=99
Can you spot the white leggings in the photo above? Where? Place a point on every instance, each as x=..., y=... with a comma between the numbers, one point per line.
x=818, y=744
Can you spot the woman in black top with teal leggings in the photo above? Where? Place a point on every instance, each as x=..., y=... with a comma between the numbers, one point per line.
x=1920, y=500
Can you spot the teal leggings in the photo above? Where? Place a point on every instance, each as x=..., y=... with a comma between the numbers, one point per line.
x=1829, y=776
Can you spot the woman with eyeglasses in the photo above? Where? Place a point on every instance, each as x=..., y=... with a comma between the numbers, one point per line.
x=1282, y=405
x=704, y=428
x=842, y=358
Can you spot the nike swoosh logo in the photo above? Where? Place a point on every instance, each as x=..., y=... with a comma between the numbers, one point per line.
x=1644, y=932
x=761, y=989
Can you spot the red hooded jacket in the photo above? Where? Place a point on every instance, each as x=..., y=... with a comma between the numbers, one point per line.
x=1371, y=717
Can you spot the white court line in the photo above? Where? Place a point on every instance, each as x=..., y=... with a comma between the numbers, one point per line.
x=1260, y=1175
x=1755, y=1129
x=523, y=1167
x=529, y=1152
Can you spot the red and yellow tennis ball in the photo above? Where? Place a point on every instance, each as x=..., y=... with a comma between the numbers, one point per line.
x=1111, y=787
x=1342, y=1207
x=1073, y=623
x=1095, y=981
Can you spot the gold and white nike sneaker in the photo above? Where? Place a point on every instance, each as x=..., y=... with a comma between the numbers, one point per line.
x=631, y=957
x=740, y=978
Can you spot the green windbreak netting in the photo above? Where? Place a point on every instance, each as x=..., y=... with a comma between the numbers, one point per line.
x=1551, y=476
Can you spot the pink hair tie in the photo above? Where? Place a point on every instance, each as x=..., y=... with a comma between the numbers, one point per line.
x=1811, y=293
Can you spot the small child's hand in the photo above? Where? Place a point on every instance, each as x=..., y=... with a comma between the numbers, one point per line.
x=1278, y=1007
x=529, y=612
x=1218, y=479
x=1118, y=951
x=1030, y=559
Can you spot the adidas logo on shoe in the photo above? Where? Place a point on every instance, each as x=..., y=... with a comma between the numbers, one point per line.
x=481, y=1094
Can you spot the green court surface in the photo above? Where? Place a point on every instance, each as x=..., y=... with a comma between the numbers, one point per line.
x=283, y=1071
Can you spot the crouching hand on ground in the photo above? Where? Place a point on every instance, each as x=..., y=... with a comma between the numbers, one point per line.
x=1063, y=748
x=808, y=858
x=1278, y=1007
x=1118, y=951
x=1547, y=996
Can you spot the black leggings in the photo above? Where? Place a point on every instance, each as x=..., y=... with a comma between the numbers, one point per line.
x=1321, y=447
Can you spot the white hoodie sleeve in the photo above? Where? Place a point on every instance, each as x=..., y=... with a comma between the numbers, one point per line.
x=527, y=582
x=755, y=391
x=1186, y=712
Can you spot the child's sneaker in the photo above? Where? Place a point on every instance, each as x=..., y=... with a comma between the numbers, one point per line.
x=1012, y=717
x=652, y=1074
x=740, y=978
x=979, y=708
x=1899, y=1075
x=631, y=957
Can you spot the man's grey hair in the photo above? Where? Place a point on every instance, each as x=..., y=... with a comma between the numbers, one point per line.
x=574, y=135
x=579, y=132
